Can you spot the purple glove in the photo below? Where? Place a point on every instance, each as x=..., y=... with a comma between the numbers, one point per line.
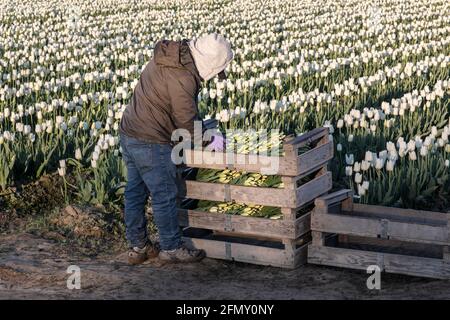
x=218, y=143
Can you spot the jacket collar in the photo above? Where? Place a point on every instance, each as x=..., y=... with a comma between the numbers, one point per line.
x=176, y=54
x=187, y=60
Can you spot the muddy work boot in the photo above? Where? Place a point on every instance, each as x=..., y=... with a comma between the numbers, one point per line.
x=138, y=255
x=181, y=254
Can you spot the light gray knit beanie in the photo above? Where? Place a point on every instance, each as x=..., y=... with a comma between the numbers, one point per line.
x=212, y=53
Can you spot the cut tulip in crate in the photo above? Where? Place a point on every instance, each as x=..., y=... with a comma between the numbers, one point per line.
x=278, y=242
x=403, y=241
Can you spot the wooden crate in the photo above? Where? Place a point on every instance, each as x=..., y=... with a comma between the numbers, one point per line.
x=291, y=164
x=242, y=238
x=291, y=196
x=250, y=250
x=402, y=241
x=252, y=226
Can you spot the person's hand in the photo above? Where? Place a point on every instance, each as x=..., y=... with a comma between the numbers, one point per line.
x=218, y=143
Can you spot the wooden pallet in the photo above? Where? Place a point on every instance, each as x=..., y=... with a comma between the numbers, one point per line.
x=250, y=250
x=402, y=241
x=292, y=199
x=291, y=164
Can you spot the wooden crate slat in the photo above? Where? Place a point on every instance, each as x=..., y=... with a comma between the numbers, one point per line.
x=221, y=160
x=306, y=138
x=399, y=213
x=392, y=263
x=333, y=223
x=415, y=232
x=301, y=256
x=303, y=224
x=314, y=188
x=315, y=158
x=329, y=199
x=340, y=257
x=240, y=252
x=205, y=190
x=248, y=253
x=373, y=227
x=274, y=197
x=289, y=165
x=363, y=212
x=393, y=245
x=280, y=229
x=246, y=235
x=417, y=266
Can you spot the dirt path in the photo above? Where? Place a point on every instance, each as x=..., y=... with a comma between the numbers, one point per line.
x=35, y=268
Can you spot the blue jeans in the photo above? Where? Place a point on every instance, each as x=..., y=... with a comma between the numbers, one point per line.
x=150, y=171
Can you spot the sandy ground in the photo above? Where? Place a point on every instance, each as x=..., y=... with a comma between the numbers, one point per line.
x=35, y=268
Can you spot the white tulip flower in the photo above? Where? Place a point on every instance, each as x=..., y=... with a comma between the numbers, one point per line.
x=365, y=185
x=390, y=165
x=379, y=164
x=444, y=136
x=349, y=159
x=412, y=145
x=424, y=151
x=361, y=190
x=62, y=171
x=59, y=119
x=434, y=131
x=350, y=138
x=383, y=155
x=62, y=163
x=365, y=165
x=348, y=171
x=78, y=155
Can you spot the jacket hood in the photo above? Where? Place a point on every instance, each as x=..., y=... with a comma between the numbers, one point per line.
x=212, y=54
x=175, y=54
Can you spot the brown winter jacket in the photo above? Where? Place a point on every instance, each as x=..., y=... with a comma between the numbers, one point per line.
x=165, y=98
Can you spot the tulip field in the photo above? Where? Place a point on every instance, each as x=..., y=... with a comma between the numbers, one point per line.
x=376, y=73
